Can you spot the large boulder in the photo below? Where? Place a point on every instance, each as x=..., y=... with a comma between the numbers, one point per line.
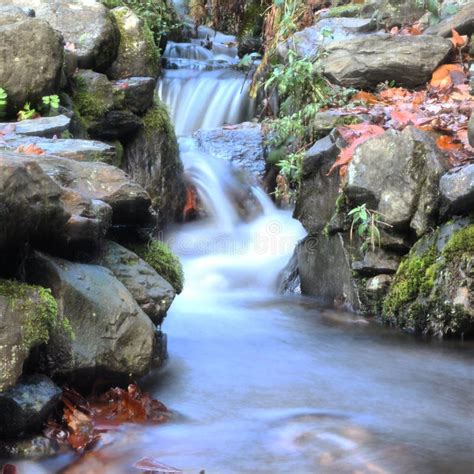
x=432, y=292
x=87, y=26
x=242, y=145
x=152, y=160
x=27, y=316
x=365, y=62
x=398, y=175
x=137, y=54
x=31, y=60
x=152, y=292
x=31, y=209
x=112, y=336
x=27, y=406
x=457, y=190
x=462, y=22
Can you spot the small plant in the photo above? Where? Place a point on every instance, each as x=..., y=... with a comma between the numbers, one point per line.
x=367, y=222
x=51, y=102
x=3, y=102
x=26, y=112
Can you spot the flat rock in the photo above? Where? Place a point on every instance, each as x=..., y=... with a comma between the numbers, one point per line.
x=457, y=190
x=376, y=263
x=462, y=22
x=40, y=127
x=365, y=62
x=27, y=405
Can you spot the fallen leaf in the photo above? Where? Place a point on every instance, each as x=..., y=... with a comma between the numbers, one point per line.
x=9, y=469
x=448, y=75
x=458, y=40
x=366, y=97
x=152, y=465
x=446, y=142
x=30, y=149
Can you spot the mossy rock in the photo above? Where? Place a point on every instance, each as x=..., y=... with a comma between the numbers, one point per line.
x=28, y=314
x=160, y=257
x=433, y=290
x=351, y=10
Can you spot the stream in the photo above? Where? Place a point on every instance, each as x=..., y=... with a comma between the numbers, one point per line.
x=264, y=383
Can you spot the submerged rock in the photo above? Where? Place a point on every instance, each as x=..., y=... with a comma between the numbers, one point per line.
x=27, y=405
x=111, y=335
x=363, y=63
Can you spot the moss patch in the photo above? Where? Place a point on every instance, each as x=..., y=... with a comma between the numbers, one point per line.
x=159, y=256
x=345, y=11
x=89, y=105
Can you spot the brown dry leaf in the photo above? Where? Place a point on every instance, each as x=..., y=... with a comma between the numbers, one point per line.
x=30, y=149
x=458, y=40
x=447, y=143
x=448, y=75
x=366, y=97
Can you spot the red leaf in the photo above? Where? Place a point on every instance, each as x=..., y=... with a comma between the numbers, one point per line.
x=9, y=469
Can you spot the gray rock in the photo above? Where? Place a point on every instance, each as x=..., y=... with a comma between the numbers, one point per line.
x=36, y=447
x=40, y=127
x=137, y=54
x=457, y=190
x=324, y=265
x=319, y=192
x=376, y=262
x=242, y=145
x=365, y=62
x=289, y=279
x=78, y=150
x=152, y=160
x=152, y=292
x=373, y=294
x=11, y=14
x=87, y=26
x=112, y=335
x=31, y=208
x=398, y=175
x=115, y=124
x=462, y=22
x=471, y=131
x=27, y=405
x=135, y=93
x=32, y=61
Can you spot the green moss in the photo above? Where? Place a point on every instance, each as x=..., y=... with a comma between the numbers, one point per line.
x=345, y=11
x=461, y=242
x=39, y=308
x=89, y=105
x=159, y=256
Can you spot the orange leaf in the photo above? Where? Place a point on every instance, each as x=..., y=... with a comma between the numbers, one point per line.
x=30, y=149
x=403, y=118
x=366, y=97
x=447, y=143
x=447, y=75
x=458, y=40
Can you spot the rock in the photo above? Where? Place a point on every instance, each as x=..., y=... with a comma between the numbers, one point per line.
x=457, y=191
x=78, y=150
x=373, y=294
x=31, y=209
x=249, y=45
x=471, y=130
x=324, y=266
x=152, y=160
x=317, y=198
x=135, y=93
x=32, y=60
x=242, y=145
x=376, y=262
x=112, y=336
x=27, y=405
x=40, y=127
x=27, y=314
x=137, y=54
x=116, y=124
x=28, y=448
x=398, y=174
x=306, y=43
x=87, y=26
x=152, y=292
x=432, y=292
x=97, y=181
x=289, y=279
x=11, y=14
x=365, y=62
x=462, y=22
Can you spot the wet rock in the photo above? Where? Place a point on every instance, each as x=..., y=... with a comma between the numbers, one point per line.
x=32, y=60
x=289, y=279
x=78, y=150
x=115, y=124
x=28, y=448
x=432, y=292
x=324, y=264
x=457, y=190
x=152, y=292
x=135, y=93
x=374, y=292
x=471, y=130
x=40, y=127
x=129, y=201
x=307, y=42
x=27, y=405
x=242, y=145
x=112, y=336
x=319, y=192
x=27, y=313
x=462, y=22
x=249, y=45
x=31, y=208
x=152, y=160
x=87, y=26
x=398, y=175
x=376, y=262
x=365, y=62
x=137, y=53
